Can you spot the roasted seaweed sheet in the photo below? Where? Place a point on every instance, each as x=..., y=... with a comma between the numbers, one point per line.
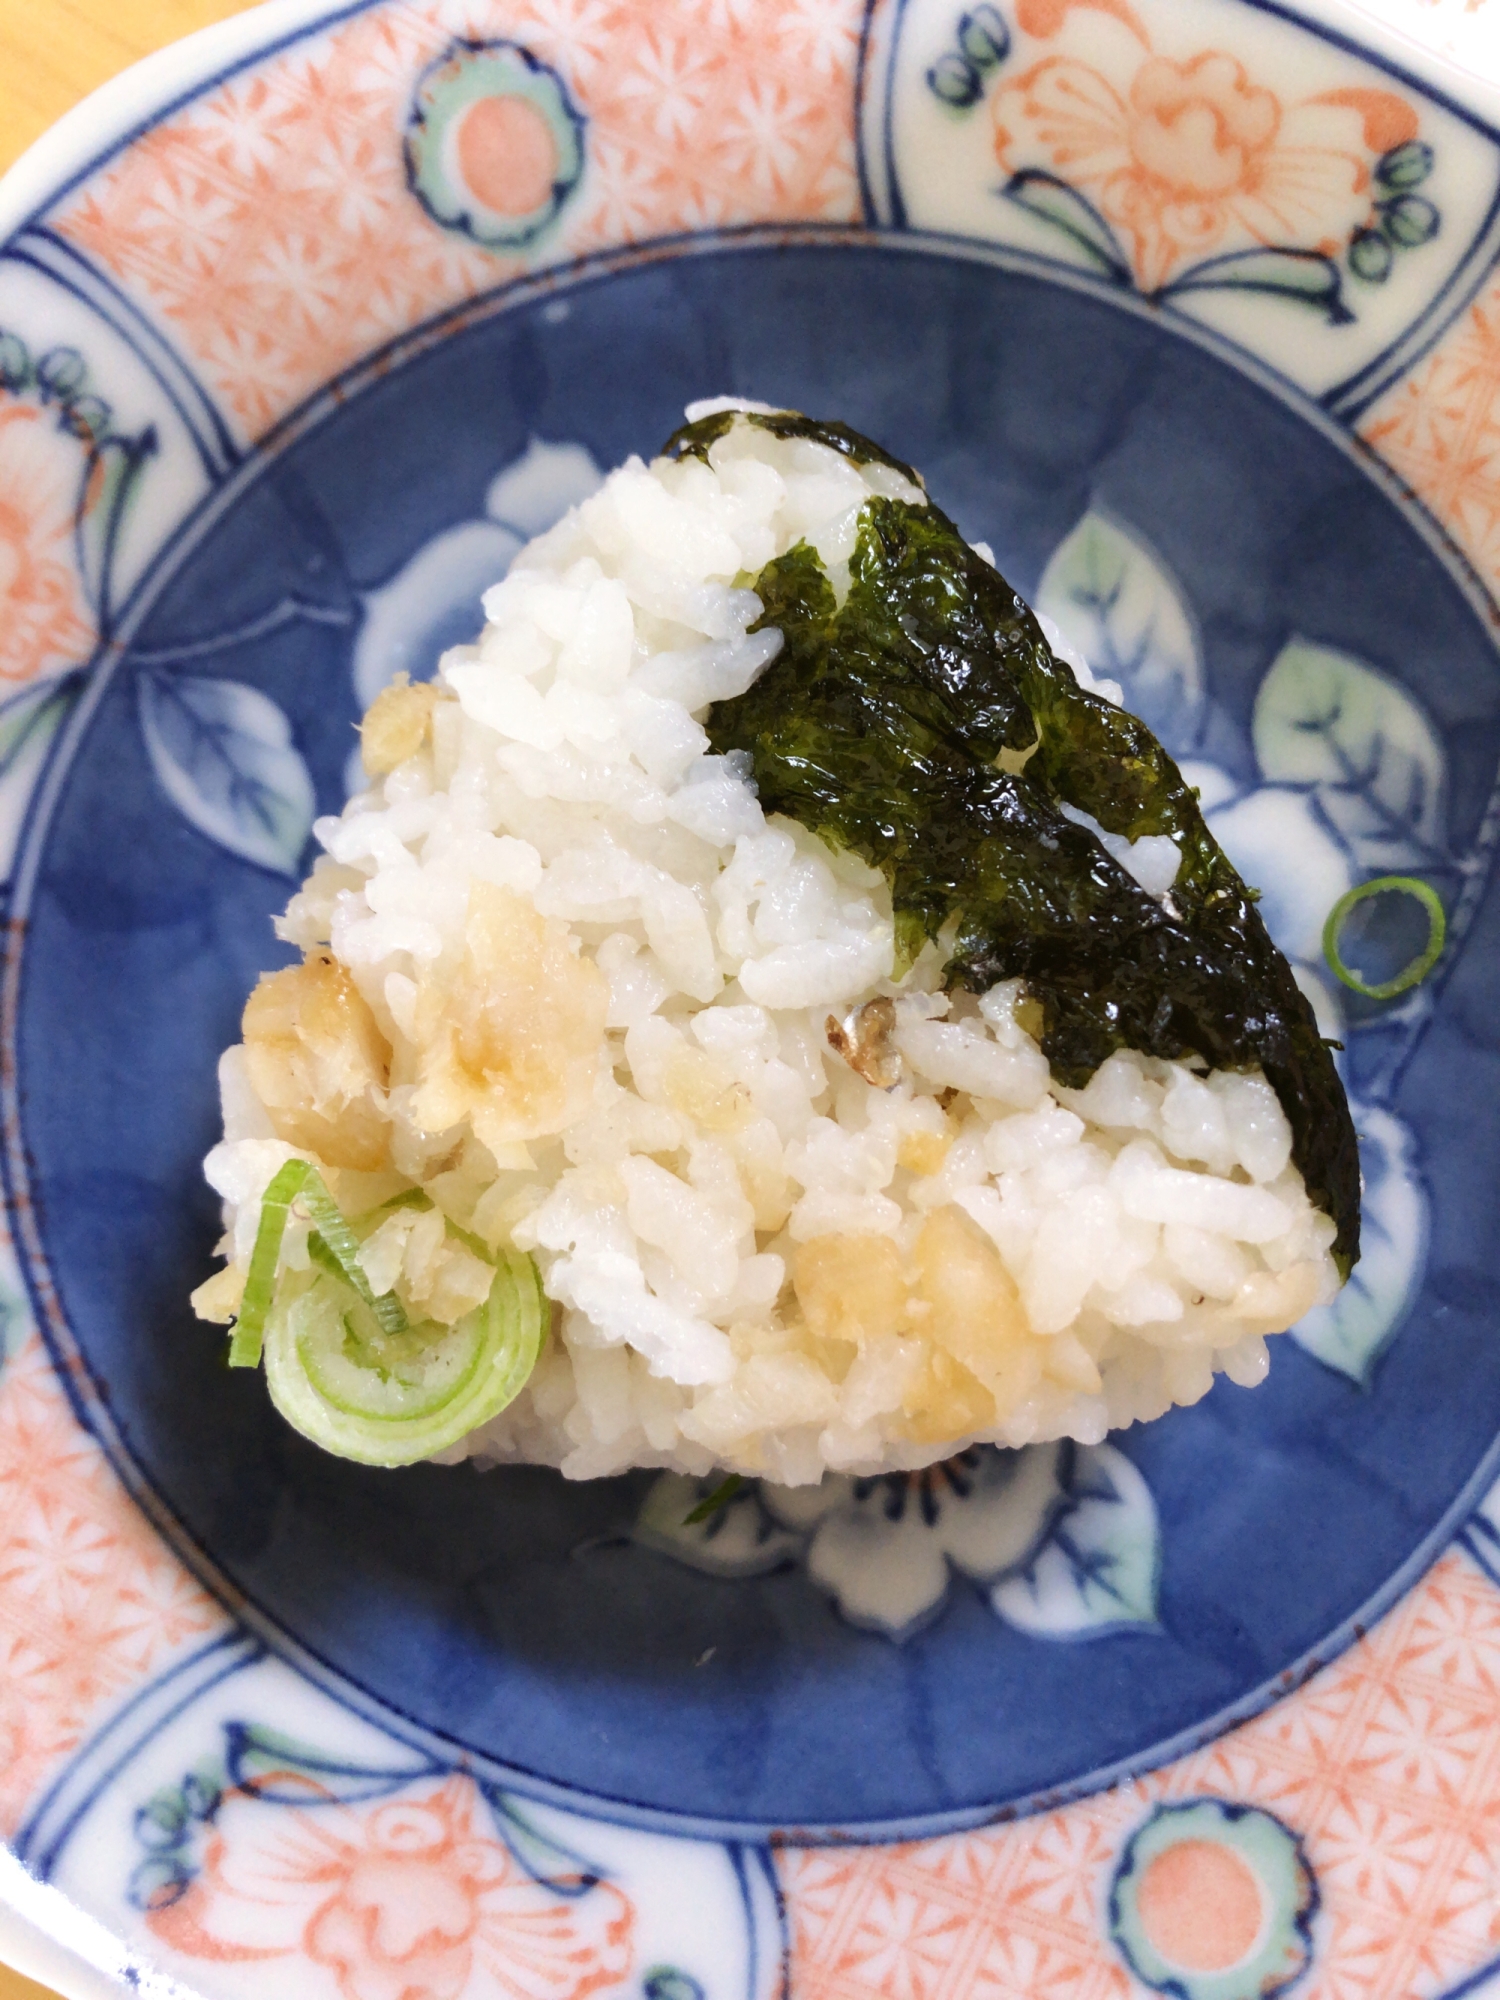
x=925, y=725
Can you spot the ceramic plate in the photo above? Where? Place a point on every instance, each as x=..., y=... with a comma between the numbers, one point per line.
x=1189, y=308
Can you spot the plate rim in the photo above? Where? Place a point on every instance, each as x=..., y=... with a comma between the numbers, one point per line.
x=125, y=107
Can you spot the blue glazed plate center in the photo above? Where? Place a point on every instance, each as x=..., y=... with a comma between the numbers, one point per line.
x=508, y=1612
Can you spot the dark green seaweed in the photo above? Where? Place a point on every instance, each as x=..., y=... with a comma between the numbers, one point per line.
x=880, y=726
x=693, y=440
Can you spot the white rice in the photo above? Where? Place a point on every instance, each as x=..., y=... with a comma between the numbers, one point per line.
x=558, y=928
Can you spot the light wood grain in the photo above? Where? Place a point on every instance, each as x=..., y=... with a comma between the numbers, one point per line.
x=52, y=52
x=14, y=1987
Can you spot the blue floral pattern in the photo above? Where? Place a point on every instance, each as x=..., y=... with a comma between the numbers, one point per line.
x=223, y=754
x=1062, y=1539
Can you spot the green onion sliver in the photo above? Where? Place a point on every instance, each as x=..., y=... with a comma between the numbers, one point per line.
x=1410, y=975
x=718, y=1499
x=412, y=1197
x=334, y=1246
x=320, y=1254
x=250, y=1327
x=327, y=1219
x=417, y=1198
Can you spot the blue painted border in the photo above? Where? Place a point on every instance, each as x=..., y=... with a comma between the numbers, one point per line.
x=62, y=264
x=864, y=81
x=755, y=1872
x=50, y=1824
x=88, y=1401
x=1474, y=1982
x=1346, y=400
x=1482, y=1540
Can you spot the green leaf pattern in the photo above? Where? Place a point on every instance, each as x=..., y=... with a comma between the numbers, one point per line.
x=1351, y=1334
x=1117, y=604
x=223, y=753
x=1098, y=1570
x=1326, y=723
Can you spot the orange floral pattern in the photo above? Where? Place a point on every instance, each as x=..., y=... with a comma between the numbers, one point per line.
x=1440, y=430
x=1387, y=1764
x=1192, y=159
x=92, y=1602
x=44, y=619
x=271, y=226
x=411, y=1898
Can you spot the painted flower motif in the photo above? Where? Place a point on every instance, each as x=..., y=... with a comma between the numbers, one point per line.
x=1063, y=1538
x=882, y=1548
x=429, y=603
x=44, y=618
x=1192, y=159
x=1213, y=1901
x=494, y=145
x=411, y=1898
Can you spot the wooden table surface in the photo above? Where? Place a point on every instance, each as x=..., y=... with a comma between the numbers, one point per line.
x=53, y=52
x=14, y=1987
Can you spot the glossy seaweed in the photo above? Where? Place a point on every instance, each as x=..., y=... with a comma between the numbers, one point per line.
x=925, y=725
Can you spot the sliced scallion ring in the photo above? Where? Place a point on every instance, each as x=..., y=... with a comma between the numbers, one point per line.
x=1410, y=975
x=333, y=1245
x=387, y=1399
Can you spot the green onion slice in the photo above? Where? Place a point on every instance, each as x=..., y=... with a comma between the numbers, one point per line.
x=1410, y=975
x=249, y=1329
x=389, y=1399
x=417, y=1198
x=333, y=1245
x=412, y=1197
x=719, y=1498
